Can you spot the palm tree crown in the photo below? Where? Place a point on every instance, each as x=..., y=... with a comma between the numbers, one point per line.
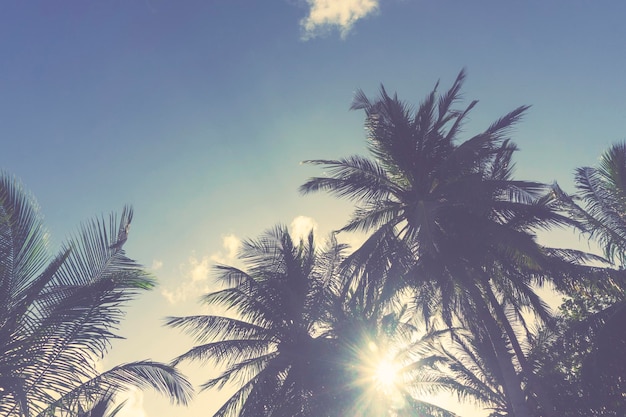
x=600, y=203
x=447, y=218
x=296, y=343
x=58, y=315
x=267, y=345
x=599, y=207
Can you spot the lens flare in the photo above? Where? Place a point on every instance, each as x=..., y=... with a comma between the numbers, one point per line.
x=386, y=375
x=383, y=369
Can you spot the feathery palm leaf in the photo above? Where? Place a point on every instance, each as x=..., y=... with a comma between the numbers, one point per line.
x=456, y=207
x=266, y=347
x=59, y=314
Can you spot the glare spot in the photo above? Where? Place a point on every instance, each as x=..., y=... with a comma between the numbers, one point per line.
x=384, y=371
x=386, y=375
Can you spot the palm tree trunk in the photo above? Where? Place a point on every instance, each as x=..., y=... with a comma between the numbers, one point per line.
x=544, y=401
x=510, y=379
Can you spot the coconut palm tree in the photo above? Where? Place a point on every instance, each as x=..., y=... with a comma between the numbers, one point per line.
x=58, y=314
x=266, y=346
x=599, y=304
x=472, y=364
x=293, y=341
x=601, y=192
x=450, y=219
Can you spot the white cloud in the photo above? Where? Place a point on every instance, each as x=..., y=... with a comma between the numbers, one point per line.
x=199, y=268
x=231, y=245
x=156, y=265
x=182, y=293
x=301, y=227
x=196, y=271
x=340, y=14
x=134, y=404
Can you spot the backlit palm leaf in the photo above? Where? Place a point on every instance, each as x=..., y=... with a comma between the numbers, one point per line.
x=59, y=314
x=457, y=210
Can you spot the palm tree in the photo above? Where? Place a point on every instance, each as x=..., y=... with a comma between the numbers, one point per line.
x=266, y=347
x=449, y=219
x=293, y=341
x=58, y=315
x=599, y=305
x=600, y=202
x=472, y=364
x=391, y=365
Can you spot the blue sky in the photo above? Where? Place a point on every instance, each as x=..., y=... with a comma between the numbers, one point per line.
x=198, y=113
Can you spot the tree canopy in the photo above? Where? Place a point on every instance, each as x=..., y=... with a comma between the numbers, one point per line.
x=441, y=297
x=58, y=314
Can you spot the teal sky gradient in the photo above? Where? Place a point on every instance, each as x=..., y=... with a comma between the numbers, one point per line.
x=198, y=113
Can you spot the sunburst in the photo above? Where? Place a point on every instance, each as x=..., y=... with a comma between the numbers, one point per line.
x=386, y=376
x=383, y=369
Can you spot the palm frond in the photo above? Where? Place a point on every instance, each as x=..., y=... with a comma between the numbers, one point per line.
x=164, y=379
x=23, y=238
x=603, y=192
x=226, y=351
x=354, y=177
x=373, y=215
x=204, y=327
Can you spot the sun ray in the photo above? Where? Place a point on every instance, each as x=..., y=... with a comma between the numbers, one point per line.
x=386, y=374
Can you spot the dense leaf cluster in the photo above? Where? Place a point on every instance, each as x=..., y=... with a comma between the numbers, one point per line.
x=440, y=297
x=58, y=314
x=451, y=235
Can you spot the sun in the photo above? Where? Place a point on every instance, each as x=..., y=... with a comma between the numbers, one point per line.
x=386, y=374
x=381, y=378
x=384, y=370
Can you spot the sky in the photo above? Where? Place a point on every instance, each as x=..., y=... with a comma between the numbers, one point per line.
x=199, y=113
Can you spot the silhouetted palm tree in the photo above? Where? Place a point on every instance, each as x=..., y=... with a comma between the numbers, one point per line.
x=448, y=220
x=600, y=208
x=98, y=394
x=58, y=316
x=293, y=343
x=472, y=365
x=601, y=192
x=392, y=366
x=271, y=347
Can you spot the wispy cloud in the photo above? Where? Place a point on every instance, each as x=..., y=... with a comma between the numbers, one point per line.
x=196, y=271
x=325, y=15
x=231, y=245
x=195, y=274
x=156, y=265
